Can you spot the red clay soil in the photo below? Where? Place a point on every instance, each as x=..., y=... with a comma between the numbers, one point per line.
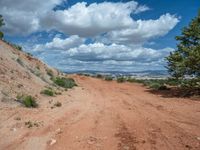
x=105, y=115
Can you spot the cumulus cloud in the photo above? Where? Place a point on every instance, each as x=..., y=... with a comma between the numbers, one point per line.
x=25, y=17
x=59, y=44
x=97, y=55
x=102, y=52
x=90, y=20
x=142, y=31
x=111, y=19
x=22, y=17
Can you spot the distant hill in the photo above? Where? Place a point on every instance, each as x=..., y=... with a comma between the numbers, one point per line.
x=146, y=73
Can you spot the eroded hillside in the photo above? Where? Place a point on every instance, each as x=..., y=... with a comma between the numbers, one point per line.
x=20, y=73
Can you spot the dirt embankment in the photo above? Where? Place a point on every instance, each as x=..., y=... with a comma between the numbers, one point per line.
x=103, y=115
x=21, y=73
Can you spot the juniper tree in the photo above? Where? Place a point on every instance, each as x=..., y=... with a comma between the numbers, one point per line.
x=185, y=60
x=1, y=24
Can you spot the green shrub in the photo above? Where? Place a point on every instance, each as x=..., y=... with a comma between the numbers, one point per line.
x=157, y=86
x=130, y=79
x=29, y=54
x=121, y=79
x=86, y=74
x=37, y=72
x=38, y=67
x=48, y=92
x=99, y=76
x=64, y=82
x=173, y=82
x=50, y=72
x=20, y=62
x=1, y=35
x=154, y=86
x=18, y=47
x=163, y=87
x=27, y=101
x=108, y=78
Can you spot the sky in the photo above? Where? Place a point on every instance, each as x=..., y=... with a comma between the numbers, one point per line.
x=112, y=35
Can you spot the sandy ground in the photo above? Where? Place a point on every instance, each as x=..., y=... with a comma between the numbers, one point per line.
x=104, y=115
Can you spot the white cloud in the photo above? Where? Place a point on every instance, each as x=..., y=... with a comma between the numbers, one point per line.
x=142, y=31
x=118, y=38
x=25, y=17
x=101, y=52
x=58, y=43
x=97, y=55
x=90, y=20
x=22, y=17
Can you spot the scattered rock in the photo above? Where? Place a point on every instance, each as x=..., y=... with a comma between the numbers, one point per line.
x=58, y=131
x=126, y=148
x=91, y=140
x=13, y=129
x=198, y=138
x=52, y=142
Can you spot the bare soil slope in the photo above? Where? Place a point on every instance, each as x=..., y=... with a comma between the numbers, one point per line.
x=21, y=73
x=103, y=115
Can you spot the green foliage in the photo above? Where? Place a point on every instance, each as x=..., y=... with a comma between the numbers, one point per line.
x=1, y=21
x=49, y=72
x=130, y=79
x=157, y=86
x=38, y=67
x=18, y=47
x=20, y=61
x=1, y=35
x=185, y=61
x=48, y=92
x=108, y=78
x=29, y=54
x=27, y=101
x=37, y=72
x=64, y=82
x=121, y=79
x=1, y=24
x=99, y=76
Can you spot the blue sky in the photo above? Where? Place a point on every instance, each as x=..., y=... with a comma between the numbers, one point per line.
x=98, y=35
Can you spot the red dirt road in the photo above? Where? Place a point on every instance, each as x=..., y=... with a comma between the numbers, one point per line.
x=103, y=115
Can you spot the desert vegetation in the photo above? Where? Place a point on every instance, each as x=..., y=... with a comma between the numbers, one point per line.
x=27, y=100
x=1, y=24
x=108, y=78
x=48, y=92
x=184, y=62
x=67, y=83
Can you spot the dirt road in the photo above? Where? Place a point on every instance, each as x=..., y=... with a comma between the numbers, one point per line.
x=104, y=115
